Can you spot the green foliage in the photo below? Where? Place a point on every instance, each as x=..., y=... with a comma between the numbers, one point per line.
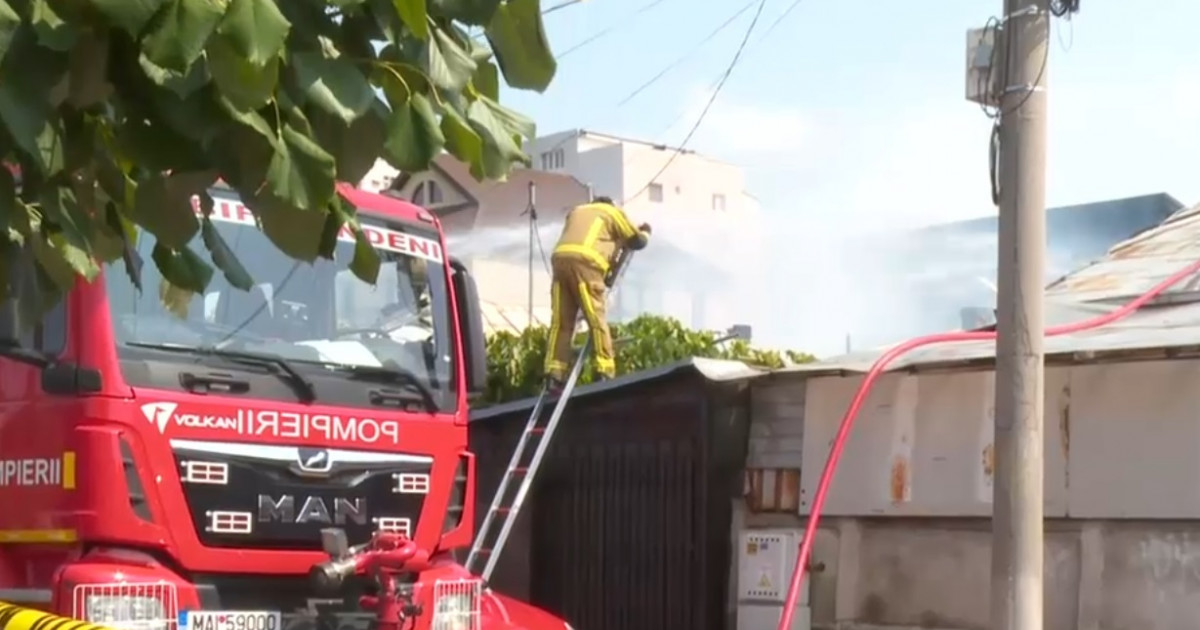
x=515, y=362
x=120, y=112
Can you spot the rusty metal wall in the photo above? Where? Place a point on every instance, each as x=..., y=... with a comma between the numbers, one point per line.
x=628, y=525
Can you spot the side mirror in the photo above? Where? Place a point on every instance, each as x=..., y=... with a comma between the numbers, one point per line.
x=68, y=379
x=470, y=322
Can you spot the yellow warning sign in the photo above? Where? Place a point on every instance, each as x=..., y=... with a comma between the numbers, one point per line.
x=764, y=582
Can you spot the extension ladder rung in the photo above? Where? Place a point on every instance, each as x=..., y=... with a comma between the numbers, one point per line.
x=484, y=544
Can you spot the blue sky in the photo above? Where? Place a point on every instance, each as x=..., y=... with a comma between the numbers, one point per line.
x=845, y=117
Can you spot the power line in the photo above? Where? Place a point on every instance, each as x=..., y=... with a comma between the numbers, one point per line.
x=482, y=32
x=707, y=106
x=664, y=71
x=561, y=5
x=781, y=18
x=623, y=22
x=687, y=55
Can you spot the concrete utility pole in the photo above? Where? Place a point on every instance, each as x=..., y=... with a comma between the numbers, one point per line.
x=1017, y=534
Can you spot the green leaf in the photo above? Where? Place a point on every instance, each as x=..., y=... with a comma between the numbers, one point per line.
x=487, y=80
x=514, y=121
x=414, y=137
x=182, y=267
x=472, y=12
x=448, y=65
x=500, y=147
x=71, y=228
x=365, y=264
x=180, y=31
x=163, y=206
x=197, y=115
x=332, y=83
x=8, y=208
x=295, y=232
x=414, y=15
x=461, y=140
x=248, y=118
x=223, y=257
x=129, y=15
x=89, y=83
x=9, y=22
x=182, y=84
x=154, y=145
x=355, y=147
x=242, y=154
x=53, y=262
x=28, y=74
x=246, y=85
x=301, y=174
x=256, y=30
x=518, y=39
x=52, y=31
x=36, y=129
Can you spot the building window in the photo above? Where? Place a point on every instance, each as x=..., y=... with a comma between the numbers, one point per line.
x=428, y=193
x=656, y=193
x=553, y=160
x=718, y=203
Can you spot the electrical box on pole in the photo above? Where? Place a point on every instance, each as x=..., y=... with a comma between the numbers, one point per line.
x=981, y=80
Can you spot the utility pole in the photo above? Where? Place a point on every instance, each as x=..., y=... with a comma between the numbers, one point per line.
x=531, y=210
x=1017, y=525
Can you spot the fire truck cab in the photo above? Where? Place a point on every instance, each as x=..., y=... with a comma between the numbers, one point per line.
x=164, y=472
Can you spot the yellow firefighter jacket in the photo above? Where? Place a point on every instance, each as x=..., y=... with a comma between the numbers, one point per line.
x=596, y=231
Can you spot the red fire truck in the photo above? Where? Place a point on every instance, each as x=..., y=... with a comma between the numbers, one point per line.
x=161, y=472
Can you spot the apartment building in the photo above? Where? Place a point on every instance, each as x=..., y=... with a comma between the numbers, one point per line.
x=705, y=267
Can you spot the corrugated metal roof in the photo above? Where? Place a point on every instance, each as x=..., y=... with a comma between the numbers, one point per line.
x=1137, y=264
x=1128, y=270
x=711, y=369
x=1153, y=328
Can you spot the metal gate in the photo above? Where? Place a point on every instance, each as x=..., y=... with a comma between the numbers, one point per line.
x=629, y=525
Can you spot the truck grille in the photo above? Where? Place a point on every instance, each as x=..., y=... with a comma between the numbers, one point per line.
x=279, y=497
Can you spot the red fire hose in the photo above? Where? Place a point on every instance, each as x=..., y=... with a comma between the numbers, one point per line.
x=881, y=364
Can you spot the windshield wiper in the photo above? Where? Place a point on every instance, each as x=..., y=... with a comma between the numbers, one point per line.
x=394, y=374
x=284, y=368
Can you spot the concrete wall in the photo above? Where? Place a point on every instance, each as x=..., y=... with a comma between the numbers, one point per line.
x=907, y=539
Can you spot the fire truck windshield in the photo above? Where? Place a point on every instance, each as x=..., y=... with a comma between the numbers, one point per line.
x=318, y=318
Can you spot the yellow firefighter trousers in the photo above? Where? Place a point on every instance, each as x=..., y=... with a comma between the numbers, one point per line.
x=578, y=284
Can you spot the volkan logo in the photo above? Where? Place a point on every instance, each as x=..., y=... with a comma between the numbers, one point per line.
x=313, y=460
x=159, y=414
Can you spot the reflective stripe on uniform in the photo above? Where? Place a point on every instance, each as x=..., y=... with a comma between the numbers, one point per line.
x=553, y=366
x=603, y=365
x=592, y=255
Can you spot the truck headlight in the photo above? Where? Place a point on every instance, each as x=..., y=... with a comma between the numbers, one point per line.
x=456, y=605
x=453, y=612
x=126, y=612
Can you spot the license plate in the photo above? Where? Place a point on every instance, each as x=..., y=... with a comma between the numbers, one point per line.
x=230, y=620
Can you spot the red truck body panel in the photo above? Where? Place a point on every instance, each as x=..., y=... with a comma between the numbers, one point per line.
x=94, y=489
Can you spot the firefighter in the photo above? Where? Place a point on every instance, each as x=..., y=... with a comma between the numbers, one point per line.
x=592, y=236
